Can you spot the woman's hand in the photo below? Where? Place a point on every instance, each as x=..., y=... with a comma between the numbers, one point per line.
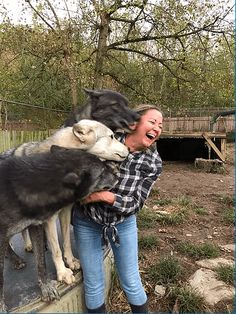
x=102, y=196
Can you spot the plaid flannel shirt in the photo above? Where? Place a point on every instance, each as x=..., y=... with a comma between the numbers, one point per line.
x=137, y=174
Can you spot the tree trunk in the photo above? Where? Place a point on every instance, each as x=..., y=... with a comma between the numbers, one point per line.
x=102, y=49
x=72, y=78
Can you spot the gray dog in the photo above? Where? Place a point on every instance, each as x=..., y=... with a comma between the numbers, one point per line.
x=108, y=107
x=33, y=188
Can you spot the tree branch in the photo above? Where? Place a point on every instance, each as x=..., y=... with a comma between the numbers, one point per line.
x=112, y=75
x=162, y=61
x=40, y=15
x=54, y=14
x=174, y=36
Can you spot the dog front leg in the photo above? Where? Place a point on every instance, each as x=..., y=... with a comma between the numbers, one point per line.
x=27, y=240
x=4, y=241
x=65, y=221
x=47, y=286
x=16, y=260
x=63, y=273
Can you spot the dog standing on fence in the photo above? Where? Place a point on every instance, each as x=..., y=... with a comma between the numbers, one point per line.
x=95, y=138
x=34, y=188
x=110, y=108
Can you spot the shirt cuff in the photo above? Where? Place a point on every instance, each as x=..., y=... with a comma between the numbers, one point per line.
x=118, y=201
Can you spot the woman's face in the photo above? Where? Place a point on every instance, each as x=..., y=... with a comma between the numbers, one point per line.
x=148, y=129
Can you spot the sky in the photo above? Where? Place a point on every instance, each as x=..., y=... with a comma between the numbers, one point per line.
x=14, y=8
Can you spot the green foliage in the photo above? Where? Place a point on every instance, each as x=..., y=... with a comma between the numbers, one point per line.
x=226, y=274
x=166, y=271
x=164, y=57
x=200, y=210
x=228, y=209
x=205, y=250
x=228, y=215
x=147, y=242
x=188, y=300
x=227, y=200
x=183, y=201
x=147, y=218
x=175, y=218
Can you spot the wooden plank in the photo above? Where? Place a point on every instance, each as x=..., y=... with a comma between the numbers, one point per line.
x=213, y=146
x=223, y=147
x=199, y=124
x=167, y=134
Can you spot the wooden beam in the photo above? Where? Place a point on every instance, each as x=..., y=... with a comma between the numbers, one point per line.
x=213, y=146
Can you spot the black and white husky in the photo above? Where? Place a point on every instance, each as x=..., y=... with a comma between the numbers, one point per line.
x=34, y=188
x=93, y=137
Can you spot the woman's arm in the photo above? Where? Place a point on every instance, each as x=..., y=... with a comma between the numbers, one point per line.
x=102, y=196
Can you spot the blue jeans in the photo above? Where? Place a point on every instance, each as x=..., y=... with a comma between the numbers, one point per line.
x=88, y=240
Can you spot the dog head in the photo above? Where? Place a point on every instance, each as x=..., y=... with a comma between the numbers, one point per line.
x=85, y=173
x=98, y=139
x=85, y=133
x=56, y=178
x=110, y=108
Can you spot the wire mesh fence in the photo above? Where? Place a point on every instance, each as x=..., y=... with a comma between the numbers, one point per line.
x=18, y=116
x=22, y=116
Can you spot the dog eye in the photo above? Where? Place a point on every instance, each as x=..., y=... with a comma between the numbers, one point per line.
x=112, y=136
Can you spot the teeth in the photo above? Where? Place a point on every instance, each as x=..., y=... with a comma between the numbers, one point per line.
x=150, y=135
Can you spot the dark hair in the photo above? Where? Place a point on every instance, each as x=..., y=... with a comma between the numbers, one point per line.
x=142, y=108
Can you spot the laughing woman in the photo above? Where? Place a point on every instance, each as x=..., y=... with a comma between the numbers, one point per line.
x=111, y=215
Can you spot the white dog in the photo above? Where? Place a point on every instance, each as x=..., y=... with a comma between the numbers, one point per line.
x=95, y=138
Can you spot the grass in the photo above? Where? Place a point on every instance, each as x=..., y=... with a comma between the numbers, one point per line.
x=228, y=215
x=227, y=200
x=225, y=273
x=205, y=250
x=200, y=210
x=148, y=217
x=183, y=201
x=227, y=210
x=186, y=300
x=167, y=270
x=162, y=202
x=147, y=242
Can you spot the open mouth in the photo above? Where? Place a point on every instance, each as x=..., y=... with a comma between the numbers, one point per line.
x=150, y=136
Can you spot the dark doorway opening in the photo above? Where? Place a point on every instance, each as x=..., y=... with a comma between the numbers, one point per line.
x=185, y=149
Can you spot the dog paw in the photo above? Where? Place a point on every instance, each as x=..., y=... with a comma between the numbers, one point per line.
x=49, y=291
x=73, y=263
x=3, y=308
x=29, y=248
x=66, y=276
x=19, y=264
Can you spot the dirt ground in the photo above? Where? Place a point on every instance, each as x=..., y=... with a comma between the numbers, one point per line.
x=206, y=190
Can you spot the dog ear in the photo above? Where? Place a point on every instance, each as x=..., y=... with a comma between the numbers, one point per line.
x=93, y=93
x=71, y=180
x=56, y=148
x=84, y=133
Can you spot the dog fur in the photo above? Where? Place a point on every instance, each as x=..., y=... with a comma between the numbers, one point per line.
x=89, y=135
x=63, y=177
x=108, y=107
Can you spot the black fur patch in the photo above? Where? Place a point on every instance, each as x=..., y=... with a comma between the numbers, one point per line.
x=106, y=106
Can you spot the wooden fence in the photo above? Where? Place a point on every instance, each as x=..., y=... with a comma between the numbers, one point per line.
x=199, y=124
x=12, y=138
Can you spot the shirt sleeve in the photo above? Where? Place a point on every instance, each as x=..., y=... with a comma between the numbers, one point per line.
x=138, y=186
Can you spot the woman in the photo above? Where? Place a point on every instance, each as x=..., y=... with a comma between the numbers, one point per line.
x=112, y=216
